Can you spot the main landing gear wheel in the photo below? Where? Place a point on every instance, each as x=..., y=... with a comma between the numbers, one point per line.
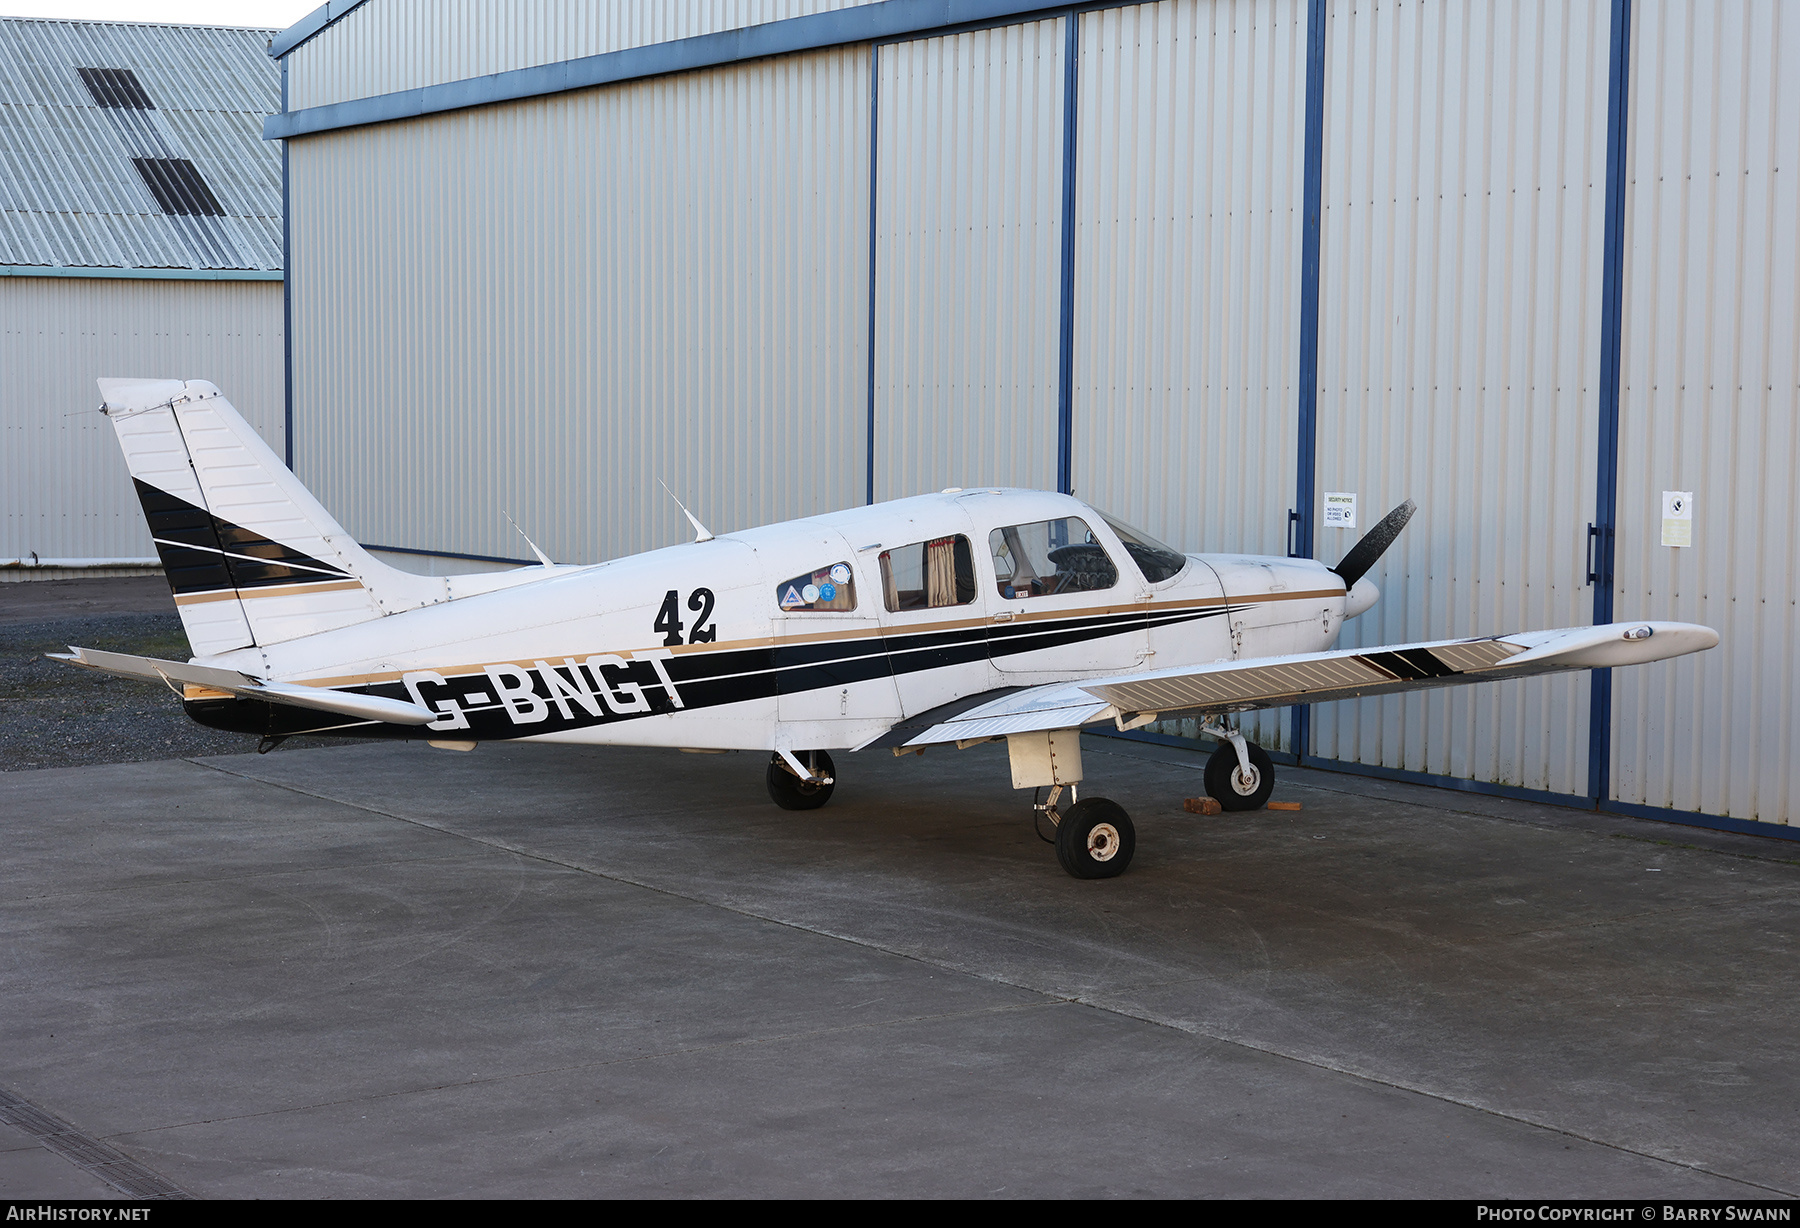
x=790, y=792
x=1095, y=839
x=1226, y=782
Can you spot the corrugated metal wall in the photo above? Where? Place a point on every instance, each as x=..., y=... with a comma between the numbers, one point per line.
x=389, y=45
x=968, y=229
x=1710, y=403
x=1190, y=155
x=1464, y=209
x=64, y=489
x=544, y=307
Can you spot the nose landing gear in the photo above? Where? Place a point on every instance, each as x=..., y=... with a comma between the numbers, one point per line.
x=1094, y=838
x=802, y=782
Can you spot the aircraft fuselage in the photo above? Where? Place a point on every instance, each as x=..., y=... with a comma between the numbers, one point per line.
x=812, y=634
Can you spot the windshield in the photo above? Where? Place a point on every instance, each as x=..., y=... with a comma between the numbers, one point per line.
x=1157, y=561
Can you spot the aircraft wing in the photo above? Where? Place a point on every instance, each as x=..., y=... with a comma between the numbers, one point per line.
x=1275, y=682
x=321, y=699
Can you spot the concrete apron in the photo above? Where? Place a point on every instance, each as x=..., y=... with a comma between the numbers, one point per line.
x=529, y=971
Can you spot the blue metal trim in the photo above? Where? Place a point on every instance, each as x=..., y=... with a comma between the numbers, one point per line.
x=874, y=183
x=287, y=299
x=1065, y=353
x=46, y=270
x=1611, y=326
x=1301, y=523
x=311, y=24
x=1457, y=783
x=452, y=554
x=1698, y=818
x=861, y=24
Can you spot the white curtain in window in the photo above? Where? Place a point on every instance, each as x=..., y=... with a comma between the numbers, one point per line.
x=940, y=572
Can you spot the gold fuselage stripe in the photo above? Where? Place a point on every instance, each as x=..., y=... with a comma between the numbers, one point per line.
x=874, y=631
x=268, y=590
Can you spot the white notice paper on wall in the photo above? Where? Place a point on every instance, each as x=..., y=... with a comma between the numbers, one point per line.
x=1340, y=510
x=1678, y=518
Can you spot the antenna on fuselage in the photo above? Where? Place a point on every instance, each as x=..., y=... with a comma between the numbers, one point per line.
x=701, y=532
x=542, y=557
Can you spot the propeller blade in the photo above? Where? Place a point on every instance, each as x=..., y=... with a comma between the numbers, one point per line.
x=1363, y=554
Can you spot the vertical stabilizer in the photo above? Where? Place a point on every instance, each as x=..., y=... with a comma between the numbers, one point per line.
x=252, y=557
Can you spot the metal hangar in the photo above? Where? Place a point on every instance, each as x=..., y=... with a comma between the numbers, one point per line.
x=1204, y=262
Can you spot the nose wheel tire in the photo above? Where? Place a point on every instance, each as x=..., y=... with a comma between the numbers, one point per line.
x=1226, y=783
x=1095, y=839
x=790, y=792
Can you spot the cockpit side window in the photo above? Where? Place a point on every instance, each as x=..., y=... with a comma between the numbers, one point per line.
x=927, y=575
x=1157, y=561
x=828, y=588
x=1049, y=557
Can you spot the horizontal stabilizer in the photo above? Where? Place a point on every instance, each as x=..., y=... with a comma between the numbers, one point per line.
x=293, y=695
x=1275, y=682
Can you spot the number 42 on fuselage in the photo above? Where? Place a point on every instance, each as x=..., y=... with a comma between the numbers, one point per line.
x=955, y=618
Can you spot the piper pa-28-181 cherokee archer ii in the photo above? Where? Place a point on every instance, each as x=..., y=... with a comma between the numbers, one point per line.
x=956, y=618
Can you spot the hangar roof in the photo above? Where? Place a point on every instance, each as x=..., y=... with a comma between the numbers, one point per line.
x=132, y=146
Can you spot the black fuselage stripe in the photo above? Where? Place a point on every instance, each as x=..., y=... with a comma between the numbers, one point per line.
x=703, y=680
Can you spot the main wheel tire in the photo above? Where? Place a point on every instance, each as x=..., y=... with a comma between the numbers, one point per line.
x=1230, y=789
x=1095, y=839
x=790, y=792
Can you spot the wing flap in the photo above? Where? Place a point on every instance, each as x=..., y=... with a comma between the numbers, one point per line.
x=1274, y=682
x=319, y=699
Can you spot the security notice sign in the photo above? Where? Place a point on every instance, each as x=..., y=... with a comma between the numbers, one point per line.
x=1340, y=510
x=1678, y=518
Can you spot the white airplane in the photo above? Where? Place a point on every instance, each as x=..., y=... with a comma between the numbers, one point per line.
x=951, y=619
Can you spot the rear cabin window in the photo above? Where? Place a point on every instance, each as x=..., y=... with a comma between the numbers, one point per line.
x=927, y=575
x=1049, y=557
x=828, y=588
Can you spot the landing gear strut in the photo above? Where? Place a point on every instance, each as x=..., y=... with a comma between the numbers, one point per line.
x=803, y=781
x=1094, y=837
x=1239, y=775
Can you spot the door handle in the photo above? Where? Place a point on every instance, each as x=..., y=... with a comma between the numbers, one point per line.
x=1599, y=554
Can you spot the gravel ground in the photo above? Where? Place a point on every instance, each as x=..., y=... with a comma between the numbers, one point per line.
x=53, y=715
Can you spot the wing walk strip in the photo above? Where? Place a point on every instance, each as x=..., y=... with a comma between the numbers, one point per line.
x=1304, y=677
x=1228, y=689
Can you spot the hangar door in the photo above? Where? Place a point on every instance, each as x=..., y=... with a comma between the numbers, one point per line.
x=1459, y=347
x=1189, y=161
x=967, y=240
x=1709, y=405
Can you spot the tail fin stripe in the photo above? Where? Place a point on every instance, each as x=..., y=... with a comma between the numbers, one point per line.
x=191, y=541
x=232, y=559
